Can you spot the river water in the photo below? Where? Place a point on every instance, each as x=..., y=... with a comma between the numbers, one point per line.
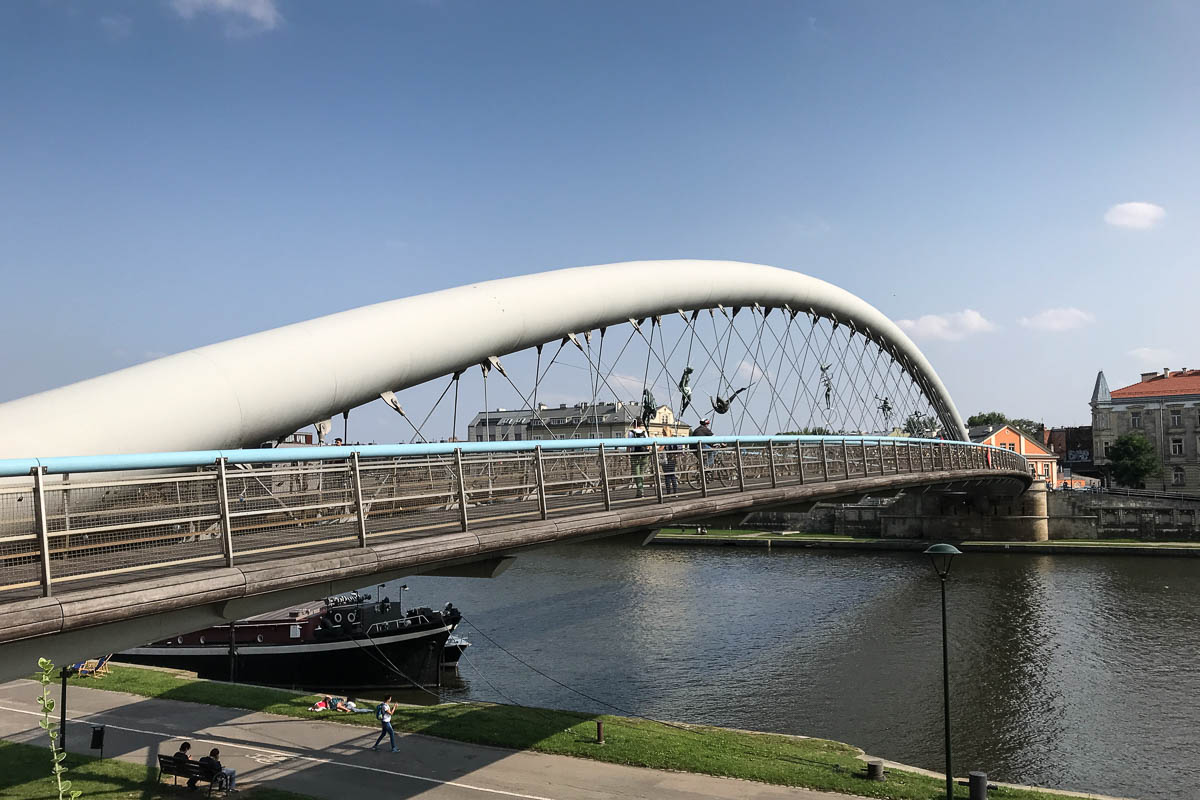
x=1077, y=672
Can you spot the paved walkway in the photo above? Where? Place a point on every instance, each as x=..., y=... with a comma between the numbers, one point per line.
x=331, y=760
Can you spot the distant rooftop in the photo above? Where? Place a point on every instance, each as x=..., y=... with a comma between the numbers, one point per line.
x=1162, y=384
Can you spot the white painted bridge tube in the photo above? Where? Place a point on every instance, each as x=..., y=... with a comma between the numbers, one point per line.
x=247, y=390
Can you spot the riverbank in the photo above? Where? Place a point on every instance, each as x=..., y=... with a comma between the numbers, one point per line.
x=769, y=539
x=815, y=764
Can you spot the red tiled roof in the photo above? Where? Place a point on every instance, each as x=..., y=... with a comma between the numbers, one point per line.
x=1174, y=384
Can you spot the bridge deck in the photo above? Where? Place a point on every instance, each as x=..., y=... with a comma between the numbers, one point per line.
x=119, y=548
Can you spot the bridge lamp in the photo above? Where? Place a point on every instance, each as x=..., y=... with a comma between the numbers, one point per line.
x=941, y=555
x=403, y=589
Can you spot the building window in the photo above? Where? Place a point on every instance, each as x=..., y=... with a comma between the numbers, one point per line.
x=1135, y=419
x=1177, y=418
x=1178, y=477
x=1008, y=446
x=1107, y=445
x=1176, y=445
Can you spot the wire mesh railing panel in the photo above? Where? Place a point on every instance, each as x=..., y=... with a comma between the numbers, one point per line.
x=572, y=481
x=499, y=488
x=756, y=466
x=112, y=528
x=102, y=506
x=720, y=469
x=20, y=567
x=787, y=462
x=630, y=474
x=275, y=508
x=410, y=495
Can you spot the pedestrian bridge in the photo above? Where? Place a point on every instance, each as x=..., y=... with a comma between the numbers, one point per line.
x=99, y=552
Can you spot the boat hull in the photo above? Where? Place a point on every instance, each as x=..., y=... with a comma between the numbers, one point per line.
x=388, y=661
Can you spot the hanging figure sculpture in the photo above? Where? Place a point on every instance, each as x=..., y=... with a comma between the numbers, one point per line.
x=721, y=404
x=685, y=391
x=885, y=408
x=649, y=406
x=827, y=383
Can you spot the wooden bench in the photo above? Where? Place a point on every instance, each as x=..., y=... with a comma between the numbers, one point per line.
x=167, y=765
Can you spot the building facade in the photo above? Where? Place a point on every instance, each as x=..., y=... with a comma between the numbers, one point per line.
x=578, y=421
x=1165, y=408
x=1043, y=462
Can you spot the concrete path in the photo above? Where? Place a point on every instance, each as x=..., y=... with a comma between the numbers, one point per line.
x=331, y=760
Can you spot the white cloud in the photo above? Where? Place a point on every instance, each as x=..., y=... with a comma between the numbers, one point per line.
x=242, y=17
x=1139, y=216
x=1058, y=319
x=116, y=26
x=1152, y=356
x=949, y=327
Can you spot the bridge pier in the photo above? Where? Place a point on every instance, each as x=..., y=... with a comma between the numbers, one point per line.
x=960, y=515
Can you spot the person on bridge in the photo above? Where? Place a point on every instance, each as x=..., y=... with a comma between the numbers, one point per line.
x=383, y=713
x=637, y=456
x=703, y=429
x=670, y=462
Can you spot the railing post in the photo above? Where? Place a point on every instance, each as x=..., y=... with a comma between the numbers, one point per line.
x=43, y=526
x=845, y=460
x=223, y=504
x=540, y=476
x=604, y=480
x=356, y=482
x=656, y=470
x=741, y=470
x=895, y=457
x=703, y=475
x=864, y=452
x=771, y=463
x=824, y=461
x=800, y=459
x=462, y=489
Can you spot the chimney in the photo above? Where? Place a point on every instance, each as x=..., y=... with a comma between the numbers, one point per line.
x=1166, y=372
x=562, y=405
x=1148, y=376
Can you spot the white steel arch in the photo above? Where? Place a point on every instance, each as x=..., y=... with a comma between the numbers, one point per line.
x=248, y=390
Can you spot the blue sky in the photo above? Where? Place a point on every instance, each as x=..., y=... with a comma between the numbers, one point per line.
x=176, y=173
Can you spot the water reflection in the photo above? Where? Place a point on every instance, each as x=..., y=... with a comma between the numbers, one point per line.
x=1070, y=671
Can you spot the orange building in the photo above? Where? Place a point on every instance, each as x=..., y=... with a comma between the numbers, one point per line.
x=1043, y=463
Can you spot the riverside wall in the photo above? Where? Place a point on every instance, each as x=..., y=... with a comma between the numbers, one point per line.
x=1067, y=515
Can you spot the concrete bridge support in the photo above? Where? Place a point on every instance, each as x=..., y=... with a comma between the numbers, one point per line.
x=959, y=515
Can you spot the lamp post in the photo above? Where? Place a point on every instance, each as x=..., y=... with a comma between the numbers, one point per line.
x=403, y=589
x=941, y=555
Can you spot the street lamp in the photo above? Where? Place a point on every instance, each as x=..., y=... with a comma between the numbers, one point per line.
x=941, y=555
x=403, y=589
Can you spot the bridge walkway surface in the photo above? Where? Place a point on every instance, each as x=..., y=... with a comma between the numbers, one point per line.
x=331, y=760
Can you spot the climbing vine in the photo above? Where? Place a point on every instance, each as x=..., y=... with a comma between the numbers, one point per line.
x=48, y=724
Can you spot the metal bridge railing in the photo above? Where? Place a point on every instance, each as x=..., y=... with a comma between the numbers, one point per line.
x=220, y=508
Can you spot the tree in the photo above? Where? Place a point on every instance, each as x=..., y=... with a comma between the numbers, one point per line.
x=921, y=425
x=1026, y=426
x=1133, y=459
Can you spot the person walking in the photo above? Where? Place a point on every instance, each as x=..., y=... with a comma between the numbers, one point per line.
x=637, y=456
x=383, y=713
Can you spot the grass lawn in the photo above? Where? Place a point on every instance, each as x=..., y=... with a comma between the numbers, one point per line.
x=25, y=775
x=792, y=761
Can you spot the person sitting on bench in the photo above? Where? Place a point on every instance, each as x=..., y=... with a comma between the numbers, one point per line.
x=226, y=776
